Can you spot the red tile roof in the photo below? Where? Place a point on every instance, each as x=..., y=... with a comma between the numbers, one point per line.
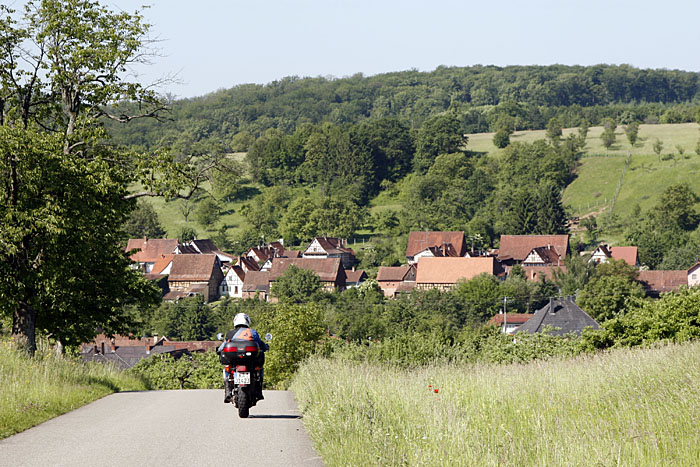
x=355, y=276
x=150, y=249
x=193, y=268
x=451, y=270
x=626, y=253
x=419, y=241
x=162, y=263
x=392, y=273
x=517, y=247
x=663, y=281
x=327, y=269
x=256, y=281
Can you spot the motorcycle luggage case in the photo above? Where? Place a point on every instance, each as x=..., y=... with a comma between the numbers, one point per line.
x=235, y=351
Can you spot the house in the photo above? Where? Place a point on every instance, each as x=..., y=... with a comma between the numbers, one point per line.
x=510, y=321
x=147, y=251
x=533, y=250
x=657, y=282
x=396, y=279
x=203, y=247
x=286, y=254
x=256, y=285
x=329, y=270
x=353, y=278
x=232, y=285
x=562, y=315
x=420, y=244
x=195, y=274
x=263, y=253
x=247, y=263
x=694, y=275
x=330, y=247
x=445, y=273
x=604, y=253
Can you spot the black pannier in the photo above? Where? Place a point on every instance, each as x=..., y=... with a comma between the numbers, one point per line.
x=237, y=351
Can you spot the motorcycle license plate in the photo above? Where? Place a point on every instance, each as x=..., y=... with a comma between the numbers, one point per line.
x=242, y=377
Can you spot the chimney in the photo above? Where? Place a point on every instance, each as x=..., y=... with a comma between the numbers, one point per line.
x=155, y=339
x=102, y=345
x=113, y=345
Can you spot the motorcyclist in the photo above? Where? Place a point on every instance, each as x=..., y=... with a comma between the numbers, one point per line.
x=242, y=320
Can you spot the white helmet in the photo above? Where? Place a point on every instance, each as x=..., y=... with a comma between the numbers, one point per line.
x=241, y=319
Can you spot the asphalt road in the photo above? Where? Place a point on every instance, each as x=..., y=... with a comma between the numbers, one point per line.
x=173, y=428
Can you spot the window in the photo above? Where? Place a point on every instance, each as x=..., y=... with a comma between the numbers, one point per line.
x=695, y=276
x=235, y=289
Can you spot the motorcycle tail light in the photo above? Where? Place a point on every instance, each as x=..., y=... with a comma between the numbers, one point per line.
x=241, y=368
x=251, y=349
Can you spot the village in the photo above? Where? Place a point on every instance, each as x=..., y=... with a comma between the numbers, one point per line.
x=434, y=260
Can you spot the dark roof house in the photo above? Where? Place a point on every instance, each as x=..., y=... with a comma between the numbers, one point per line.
x=562, y=315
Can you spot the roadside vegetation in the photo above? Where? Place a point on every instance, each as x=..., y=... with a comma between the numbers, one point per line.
x=35, y=389
x=626, y=407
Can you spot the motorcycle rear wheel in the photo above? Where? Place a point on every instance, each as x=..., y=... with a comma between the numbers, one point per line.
x=243, y=404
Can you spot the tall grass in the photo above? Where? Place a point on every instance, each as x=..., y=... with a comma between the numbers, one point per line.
x=33, y=390
x=628, y=407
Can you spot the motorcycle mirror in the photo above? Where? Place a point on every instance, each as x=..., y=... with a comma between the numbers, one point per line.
x=220, y=336
x=268, y=337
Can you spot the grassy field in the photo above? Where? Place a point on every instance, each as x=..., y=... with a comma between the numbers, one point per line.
x=33, y=390
x=628, y=407
x=600, y=171
x=685, y=134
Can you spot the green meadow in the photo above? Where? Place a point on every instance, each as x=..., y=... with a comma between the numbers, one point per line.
x=626, y=407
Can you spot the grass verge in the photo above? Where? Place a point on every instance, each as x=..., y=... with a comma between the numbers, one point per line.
x=628, y=407
x=33, y=390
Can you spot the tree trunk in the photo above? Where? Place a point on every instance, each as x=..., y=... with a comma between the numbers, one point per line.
x=23, y=328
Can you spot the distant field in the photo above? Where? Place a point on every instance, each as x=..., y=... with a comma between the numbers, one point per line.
x=599, y=172
x=627, y=407
x=685, y=134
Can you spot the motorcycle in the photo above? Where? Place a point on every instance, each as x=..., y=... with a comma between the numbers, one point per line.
x=240, y=356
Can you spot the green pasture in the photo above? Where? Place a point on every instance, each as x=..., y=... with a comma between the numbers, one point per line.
x=33, y=390
x=671, y=135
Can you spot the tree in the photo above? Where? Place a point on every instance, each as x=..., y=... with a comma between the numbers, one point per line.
x=296, y=224
x=64, y=195
x=480, y=296
x=658, y=147
x=677, y=207
x=439, y=135
x=296, y=285
x=605, y=297
x=632, y=132
x=143, y=222
x=208, y=213
x=186, y=234
x=554, y=131
x=501, y=138
x=608, y=135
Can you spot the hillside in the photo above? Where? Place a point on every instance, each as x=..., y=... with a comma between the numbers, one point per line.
x=479, y=94
x=600, y=171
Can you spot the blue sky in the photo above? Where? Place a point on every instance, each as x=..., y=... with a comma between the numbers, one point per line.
x=219, y=44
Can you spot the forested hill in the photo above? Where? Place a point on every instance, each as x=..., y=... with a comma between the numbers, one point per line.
x=532, y=95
